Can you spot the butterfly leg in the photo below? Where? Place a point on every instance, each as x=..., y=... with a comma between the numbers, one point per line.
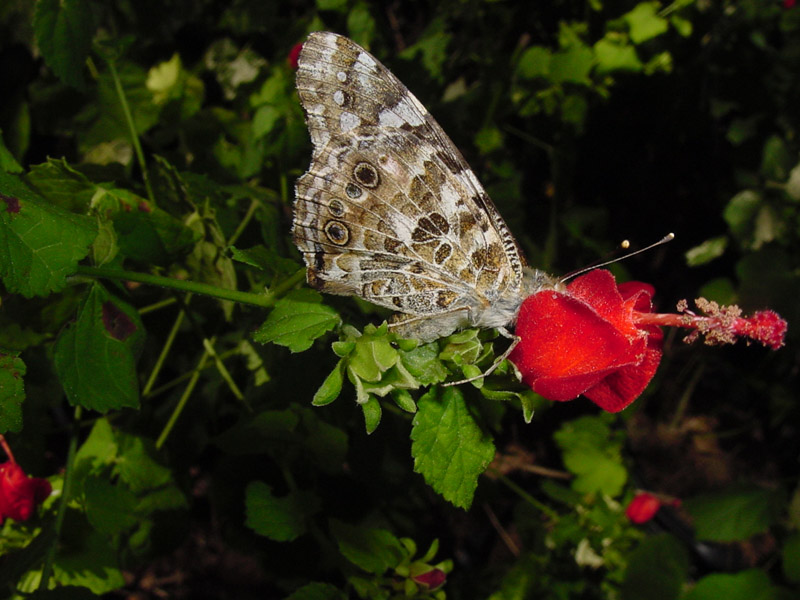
x=506, y=334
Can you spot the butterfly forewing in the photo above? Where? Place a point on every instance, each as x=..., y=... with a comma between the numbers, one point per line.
x=389, y=209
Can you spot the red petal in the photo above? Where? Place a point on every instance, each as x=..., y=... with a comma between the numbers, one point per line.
x=642, y=508
x=599, y=289
x=619, y=389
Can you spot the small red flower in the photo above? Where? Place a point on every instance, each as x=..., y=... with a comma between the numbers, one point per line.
x=789, y=3
x=19, y=494
x=642, y=508
x=586, y=340
x=294, y=54
x=431, y=579
x=602, y=340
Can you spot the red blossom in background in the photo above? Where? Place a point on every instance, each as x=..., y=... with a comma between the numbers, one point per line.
x=294, y=54
x=19, y=494
x=602, y=340
x=642, y=508
x=431, y=579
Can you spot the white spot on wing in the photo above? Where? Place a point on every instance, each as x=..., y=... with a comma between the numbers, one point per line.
x=387, y=118
x=410, y=112
x=338, y=97
x=341, y=76
x=366, y=60
x=348, y=121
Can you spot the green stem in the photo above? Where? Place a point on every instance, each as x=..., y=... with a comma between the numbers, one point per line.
x=183, y=377
x=47, y=567
x=223, y=371
x=526, y=496
x=137, y=146
x=182, y=402
x=261, y=300
x=162, y=357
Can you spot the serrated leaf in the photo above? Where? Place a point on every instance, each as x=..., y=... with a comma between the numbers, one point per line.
x=424, y=364
x=450, y=451
x=109, y=507
x=12, y=392
x=296, y=321
x=317, y=591
x=657, y=569
x=790, y=558
x=644, y=22
x=591, y=456
x=40, y=244
x=8, y=163
x=280, y=519
x=752, y=584
x=373, y=550
x=732, y=515
x=572, y=65
x=616, y=55
x=64, y=32
x=95, y=357
x=707, y=251
x=534, y=62
x=331, y=387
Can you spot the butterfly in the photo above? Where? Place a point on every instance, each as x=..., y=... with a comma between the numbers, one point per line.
x=390, y=211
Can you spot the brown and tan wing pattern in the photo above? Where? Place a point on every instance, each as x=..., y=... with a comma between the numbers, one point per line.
x=389, y=210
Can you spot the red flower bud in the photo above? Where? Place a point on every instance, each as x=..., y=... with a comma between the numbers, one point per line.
x=19, y=494
x=642, y=508
x=431, y=579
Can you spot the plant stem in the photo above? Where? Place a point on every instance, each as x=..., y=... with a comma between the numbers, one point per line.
x=182, y=402
x=525, y=495
x=167, y=346
x=261, y=300
x=137, y=146
x=69, y=469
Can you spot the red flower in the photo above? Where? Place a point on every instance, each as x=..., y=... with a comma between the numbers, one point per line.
x=586, y=340
x=294, y=54
x=789, y=3
x=431, y=579
x=19, y=494
x=601, y=339
x=642, y=508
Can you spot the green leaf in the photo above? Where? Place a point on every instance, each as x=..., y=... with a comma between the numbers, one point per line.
x=297, y=320
x=372, y=413
x=373, y=550
x=534, y=62
x=707, y=251
x=317, y=591
x=644, y=23
x=657, y=570
x=590, y=454
x=95, y=357
x=615, y=54
x=12, y=392
x=732, y=515
x=424, y=364
x=331, y=387
x=448, y=446
x=741, y=211
x=109, y=507
x=790, y=558
x=64, y=32
x=8, y=163
x=752, y=584
x=720, y=290
x=279, y=519
x=40, y=244
x=776, y=160
x=89, y=562
x=572, y=65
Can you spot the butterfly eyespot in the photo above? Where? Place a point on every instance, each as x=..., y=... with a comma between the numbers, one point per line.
x=337, y=233
x=336, y=208
x=352, y=190
x=366, y=175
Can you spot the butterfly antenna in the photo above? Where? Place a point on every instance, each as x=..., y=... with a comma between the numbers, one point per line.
x=625, y=244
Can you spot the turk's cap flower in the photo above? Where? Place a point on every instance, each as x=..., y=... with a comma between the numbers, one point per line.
x=602, y=340
x=645, y=505
x=431, y=579
x=19, y=493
